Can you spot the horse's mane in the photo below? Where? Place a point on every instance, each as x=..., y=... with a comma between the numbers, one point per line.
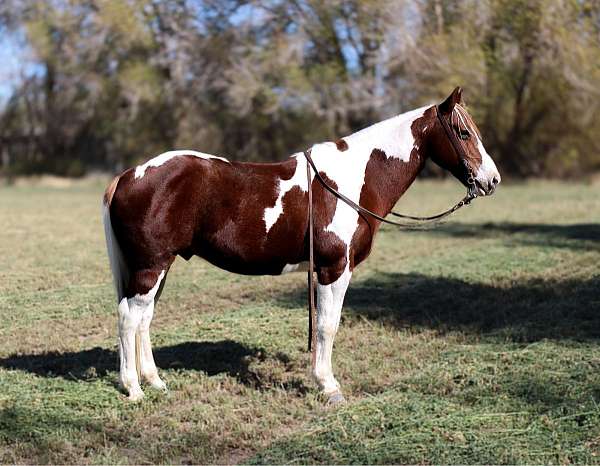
x=464, y=119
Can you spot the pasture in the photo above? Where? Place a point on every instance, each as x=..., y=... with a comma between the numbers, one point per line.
x=474, y=342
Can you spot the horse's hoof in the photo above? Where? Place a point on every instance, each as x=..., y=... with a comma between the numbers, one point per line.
x=158, y=384
x=135, y=395
x=336, y=399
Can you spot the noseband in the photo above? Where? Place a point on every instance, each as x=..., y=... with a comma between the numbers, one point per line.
x=471, y=194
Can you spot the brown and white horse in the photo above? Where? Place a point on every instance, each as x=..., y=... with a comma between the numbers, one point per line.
x=251, y=218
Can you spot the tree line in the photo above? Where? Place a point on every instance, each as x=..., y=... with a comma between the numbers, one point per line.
x=117, y=81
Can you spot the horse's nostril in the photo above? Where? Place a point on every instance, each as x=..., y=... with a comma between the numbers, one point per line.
x=495, y=181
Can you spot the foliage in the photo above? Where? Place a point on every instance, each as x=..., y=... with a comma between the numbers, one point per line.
x=475, y=342
x=121, y=80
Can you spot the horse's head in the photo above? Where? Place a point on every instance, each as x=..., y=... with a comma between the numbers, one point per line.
x=456, y=146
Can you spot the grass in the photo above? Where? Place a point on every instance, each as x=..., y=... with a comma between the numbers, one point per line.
x=474, y=342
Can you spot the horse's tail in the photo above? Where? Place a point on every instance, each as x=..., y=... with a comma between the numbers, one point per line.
x=118, y=265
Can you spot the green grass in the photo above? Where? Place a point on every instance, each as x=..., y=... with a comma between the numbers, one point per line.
x=473, y=342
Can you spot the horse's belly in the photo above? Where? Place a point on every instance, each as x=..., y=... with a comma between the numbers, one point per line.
x=247, y=251
x=239, y=265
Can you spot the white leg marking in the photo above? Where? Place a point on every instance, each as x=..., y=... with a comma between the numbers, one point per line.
x=330, y=299
x=129, y=320
x=131, y=313
x=148, y=370
x=157, y=161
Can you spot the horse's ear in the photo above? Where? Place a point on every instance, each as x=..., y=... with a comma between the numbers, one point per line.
x=455, y=98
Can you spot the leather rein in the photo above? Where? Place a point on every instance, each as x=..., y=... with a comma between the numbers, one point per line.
x=471, y=194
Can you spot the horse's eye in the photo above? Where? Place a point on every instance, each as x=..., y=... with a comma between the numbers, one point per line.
x=465, y=134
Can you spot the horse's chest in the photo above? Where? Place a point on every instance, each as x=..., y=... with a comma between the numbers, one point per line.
x=362, y=241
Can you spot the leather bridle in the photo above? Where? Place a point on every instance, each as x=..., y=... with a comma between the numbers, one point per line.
x=471, y=194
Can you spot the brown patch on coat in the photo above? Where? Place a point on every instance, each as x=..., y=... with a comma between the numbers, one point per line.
x=142, y=281
x=341, y=145
x=330, y=250
x=232, y=232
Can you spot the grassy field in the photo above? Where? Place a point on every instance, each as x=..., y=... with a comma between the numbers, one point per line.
x=476, y=341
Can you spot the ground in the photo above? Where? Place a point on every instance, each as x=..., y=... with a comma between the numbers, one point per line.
x=475, y=341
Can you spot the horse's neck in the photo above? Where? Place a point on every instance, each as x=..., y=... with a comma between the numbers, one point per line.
x=394, y=157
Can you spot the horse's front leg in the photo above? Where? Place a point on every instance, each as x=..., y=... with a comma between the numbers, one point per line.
x=330, y=299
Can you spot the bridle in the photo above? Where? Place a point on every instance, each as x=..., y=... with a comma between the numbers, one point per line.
x=458, y=147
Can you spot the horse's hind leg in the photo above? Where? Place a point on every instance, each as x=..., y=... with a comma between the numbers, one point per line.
x=330, y=299
x=129, y=320
x=143, y=287
x=147, y=366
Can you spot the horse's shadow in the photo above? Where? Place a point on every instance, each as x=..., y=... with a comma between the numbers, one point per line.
x=523, y=311
x=577, y=236
x=213, y=358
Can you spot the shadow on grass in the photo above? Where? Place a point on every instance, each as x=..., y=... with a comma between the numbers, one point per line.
x=526, y=311
x=574, y=236
x=52, y=433
x=221, y=357
x=24, y=423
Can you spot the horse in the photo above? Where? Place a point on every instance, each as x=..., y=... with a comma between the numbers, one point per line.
x=251, y=218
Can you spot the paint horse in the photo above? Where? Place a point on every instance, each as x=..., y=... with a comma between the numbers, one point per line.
x=251, y=218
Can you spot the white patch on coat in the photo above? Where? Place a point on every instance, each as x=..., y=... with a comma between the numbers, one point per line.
x=271, y=214
x=347, y=169
x=159, y=160
x=487, y=171
x=393, y=136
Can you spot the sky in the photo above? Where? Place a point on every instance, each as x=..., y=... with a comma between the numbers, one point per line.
x=16, y=61
x=9, y=57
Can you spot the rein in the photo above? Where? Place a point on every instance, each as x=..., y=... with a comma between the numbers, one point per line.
x=312, y=315
x=471, y=194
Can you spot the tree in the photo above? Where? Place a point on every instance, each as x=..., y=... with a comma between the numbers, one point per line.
x=121, y=80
